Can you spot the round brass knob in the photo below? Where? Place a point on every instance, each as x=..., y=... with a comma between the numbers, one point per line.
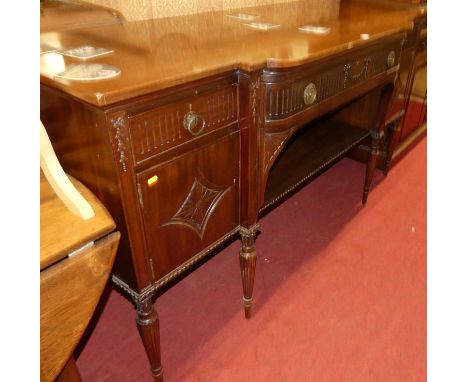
x=391, y=59
x=310, y=94
x=191, y=121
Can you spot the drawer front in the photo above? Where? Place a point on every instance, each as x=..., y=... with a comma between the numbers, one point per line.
x=306, y=87
x=165, y=127
x=190, y=202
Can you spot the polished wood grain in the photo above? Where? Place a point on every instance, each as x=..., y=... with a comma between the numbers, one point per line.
x=148, y=326
x=413, y=57
x=70, y=372
x=60, y=15
x=196, y=46
x=76, y=259
x=148, y=9
x=193, y=203
x=61, y=231
x=159, y=129
x=70, y=291
x=175, y=195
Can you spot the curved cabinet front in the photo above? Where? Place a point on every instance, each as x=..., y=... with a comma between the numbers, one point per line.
x=290, y=92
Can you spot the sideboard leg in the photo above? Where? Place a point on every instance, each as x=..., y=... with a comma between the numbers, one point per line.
x=248, y=258
x=393, y=135
x=148, y=327
x=371, y=163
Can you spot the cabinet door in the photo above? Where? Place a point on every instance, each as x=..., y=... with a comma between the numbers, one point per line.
x=190, y=202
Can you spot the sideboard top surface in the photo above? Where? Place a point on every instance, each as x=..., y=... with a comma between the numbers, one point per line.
x=159, y=53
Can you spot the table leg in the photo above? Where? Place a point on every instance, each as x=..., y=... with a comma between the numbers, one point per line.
x=393, y=136
x=248, y=259
x=371, y=163
x=377, y=132
x=148, y=327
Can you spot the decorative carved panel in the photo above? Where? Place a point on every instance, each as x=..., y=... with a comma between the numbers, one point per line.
x=287, y=98
x=120, y=140
x=162, y=128
x=196, y=209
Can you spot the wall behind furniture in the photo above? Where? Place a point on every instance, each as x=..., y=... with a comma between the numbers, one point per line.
x=149, y=9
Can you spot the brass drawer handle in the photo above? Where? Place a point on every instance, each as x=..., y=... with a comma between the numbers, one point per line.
x=310, y=94
x=355, y=77
x=191, y=121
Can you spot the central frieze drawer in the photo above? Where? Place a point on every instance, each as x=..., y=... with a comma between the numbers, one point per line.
x=165, y=127
x=289, y=92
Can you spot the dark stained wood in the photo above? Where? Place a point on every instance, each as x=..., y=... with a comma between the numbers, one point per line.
x=160, y=129
x=197, y=46
x=310, y=152
x=81, y=139
x=248, y=260
x=177, y=195
x=377, y=131
x=148, y=326
x=392, y=131
x=192, y=203
x=413, y=57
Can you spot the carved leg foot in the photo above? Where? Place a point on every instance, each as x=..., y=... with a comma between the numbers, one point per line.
x=371, y=163
x=248, y=257
x=148, y=326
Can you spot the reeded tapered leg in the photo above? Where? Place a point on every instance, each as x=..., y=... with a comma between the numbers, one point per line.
x=377, y=132
x=248, y=259
x=148, y=326
x=393, y=131
x=371, y=163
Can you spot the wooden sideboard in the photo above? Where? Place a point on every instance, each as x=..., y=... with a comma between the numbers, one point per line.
x=406, y=114
x=212, y=122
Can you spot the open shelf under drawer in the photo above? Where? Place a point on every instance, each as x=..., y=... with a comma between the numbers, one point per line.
x=310, y=152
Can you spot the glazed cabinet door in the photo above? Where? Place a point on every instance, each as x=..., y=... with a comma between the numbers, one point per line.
x=190, y=202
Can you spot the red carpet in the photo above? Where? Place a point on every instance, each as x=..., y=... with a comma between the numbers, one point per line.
x=340, y=294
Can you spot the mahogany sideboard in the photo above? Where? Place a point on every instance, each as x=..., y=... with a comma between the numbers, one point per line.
x=406, y=114
x=211, y=122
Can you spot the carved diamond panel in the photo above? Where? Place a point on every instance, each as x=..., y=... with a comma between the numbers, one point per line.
x=198, y=205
